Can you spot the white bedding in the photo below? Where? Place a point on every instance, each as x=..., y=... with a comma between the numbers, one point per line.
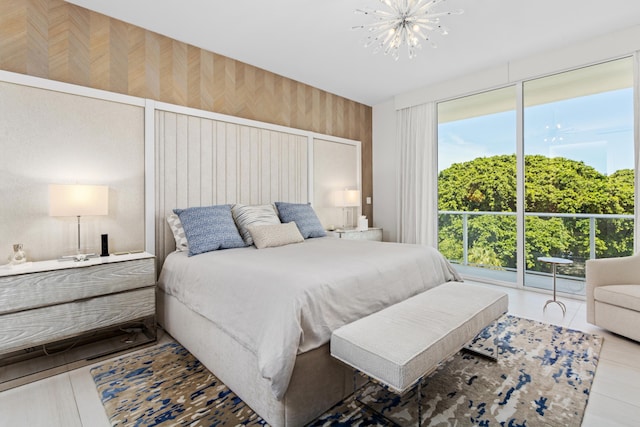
x=279, y=302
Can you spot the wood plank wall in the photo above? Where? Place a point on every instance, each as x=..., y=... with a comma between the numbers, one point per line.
x=56, y=40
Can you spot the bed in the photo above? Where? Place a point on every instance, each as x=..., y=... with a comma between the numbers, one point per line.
x=282, y=370
x=260, y=319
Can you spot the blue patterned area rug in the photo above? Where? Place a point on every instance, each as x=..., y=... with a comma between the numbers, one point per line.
x=542, y=377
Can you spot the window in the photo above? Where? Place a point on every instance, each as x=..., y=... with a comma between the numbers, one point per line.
x=477, y=183
x=578, y=168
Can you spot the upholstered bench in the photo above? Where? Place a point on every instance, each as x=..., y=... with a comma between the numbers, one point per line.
x=399, y=345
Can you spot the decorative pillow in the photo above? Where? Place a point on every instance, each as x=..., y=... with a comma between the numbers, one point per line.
x=178, y=232
x=304, y=216
x=248, y=215
x=272, y=235
x=209, y=228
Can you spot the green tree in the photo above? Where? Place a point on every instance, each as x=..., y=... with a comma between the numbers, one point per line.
x=553, y=185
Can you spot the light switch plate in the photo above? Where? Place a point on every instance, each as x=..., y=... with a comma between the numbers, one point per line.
x=368, y=200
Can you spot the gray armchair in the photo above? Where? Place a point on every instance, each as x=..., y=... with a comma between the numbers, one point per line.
x=613, y=294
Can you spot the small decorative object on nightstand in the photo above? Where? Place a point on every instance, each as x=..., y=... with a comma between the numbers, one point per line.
x=17, y=256
x=373, y=233
x=363, y=223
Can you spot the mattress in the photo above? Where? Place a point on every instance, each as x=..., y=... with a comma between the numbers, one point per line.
x=279, y=302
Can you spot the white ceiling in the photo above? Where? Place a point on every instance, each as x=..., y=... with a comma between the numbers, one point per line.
x=312, y=41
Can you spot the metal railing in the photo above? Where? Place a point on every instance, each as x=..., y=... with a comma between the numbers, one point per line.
x=592, y=225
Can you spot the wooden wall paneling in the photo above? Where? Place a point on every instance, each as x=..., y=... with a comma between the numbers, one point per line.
x=119, y=63
x=13, y=36
x=194, y=77
x=37, y=30
x=99, y=46
x=207, y=81
x=69, y=40
x=283, y=86
x=173, y=71
x=229, y=78
x=218, y=90
x=137, y=63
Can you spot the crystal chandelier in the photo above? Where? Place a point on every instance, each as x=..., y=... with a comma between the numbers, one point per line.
x=405, y=22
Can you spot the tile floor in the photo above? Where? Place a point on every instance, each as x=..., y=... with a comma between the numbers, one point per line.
x=70, y=399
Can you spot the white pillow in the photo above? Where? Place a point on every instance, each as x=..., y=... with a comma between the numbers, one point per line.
x=247, y=215
x=272, y=235
x=178, y=232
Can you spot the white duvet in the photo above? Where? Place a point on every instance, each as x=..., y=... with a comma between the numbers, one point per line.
x=278, y=302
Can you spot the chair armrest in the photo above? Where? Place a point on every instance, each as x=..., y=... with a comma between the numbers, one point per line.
x=609, y=271
x=613, y=271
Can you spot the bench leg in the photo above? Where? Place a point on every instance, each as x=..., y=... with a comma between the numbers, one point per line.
x=476, y=352
x=419, y=396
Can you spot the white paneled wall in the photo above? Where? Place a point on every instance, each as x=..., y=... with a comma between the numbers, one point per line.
x=202, y=161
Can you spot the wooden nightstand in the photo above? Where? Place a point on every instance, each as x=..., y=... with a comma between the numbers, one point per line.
x=54, y=308
x=373, y=233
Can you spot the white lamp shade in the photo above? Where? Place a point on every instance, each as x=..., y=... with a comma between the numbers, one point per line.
x=352, y=198
x=347, y=198
x=78, y=200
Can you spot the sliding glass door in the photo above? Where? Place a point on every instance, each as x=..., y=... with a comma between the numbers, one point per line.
x=577, y=167
x=579, y=170
x=477, y=183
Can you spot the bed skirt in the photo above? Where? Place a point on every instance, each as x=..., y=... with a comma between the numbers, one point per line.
x=318, y=381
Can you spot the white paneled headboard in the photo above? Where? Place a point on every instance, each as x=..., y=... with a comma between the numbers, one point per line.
x=203, y=158
x=202, y=161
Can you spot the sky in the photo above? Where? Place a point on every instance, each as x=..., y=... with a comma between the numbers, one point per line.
x=596, y=129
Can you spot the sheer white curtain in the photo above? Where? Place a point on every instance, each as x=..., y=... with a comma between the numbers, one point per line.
x=417, y=175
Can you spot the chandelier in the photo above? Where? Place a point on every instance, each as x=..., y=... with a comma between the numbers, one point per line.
x=405, y=22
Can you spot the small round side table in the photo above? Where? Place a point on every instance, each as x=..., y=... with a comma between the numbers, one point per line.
x=554, y=262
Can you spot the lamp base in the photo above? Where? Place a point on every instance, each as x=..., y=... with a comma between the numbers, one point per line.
x=78, y=257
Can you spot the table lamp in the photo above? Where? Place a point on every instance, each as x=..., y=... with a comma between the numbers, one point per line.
x=347, y=199
x=78, y=200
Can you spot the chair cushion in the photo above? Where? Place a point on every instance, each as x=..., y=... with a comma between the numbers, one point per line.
x=627, y=296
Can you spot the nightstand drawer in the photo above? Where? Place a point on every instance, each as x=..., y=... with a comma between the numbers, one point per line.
x=42, y=325
x=32, y=290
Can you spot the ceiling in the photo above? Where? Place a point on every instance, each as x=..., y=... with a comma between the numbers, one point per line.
x=312, y=41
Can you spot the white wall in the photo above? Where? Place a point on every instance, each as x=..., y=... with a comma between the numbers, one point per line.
x=336, y=166
x=53, y=133
x=610, y=46
x=385, y=178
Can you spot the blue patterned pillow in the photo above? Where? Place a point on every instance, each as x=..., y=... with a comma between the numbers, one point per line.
x=304, y=216
x=209, y=228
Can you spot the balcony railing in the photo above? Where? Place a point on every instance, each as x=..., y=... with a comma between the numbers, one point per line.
x=536, y=274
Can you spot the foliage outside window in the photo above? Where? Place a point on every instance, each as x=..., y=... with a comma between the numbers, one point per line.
x=578, y=172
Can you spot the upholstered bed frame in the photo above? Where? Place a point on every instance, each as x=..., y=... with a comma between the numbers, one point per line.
x=201, y=160
x=318, y=380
